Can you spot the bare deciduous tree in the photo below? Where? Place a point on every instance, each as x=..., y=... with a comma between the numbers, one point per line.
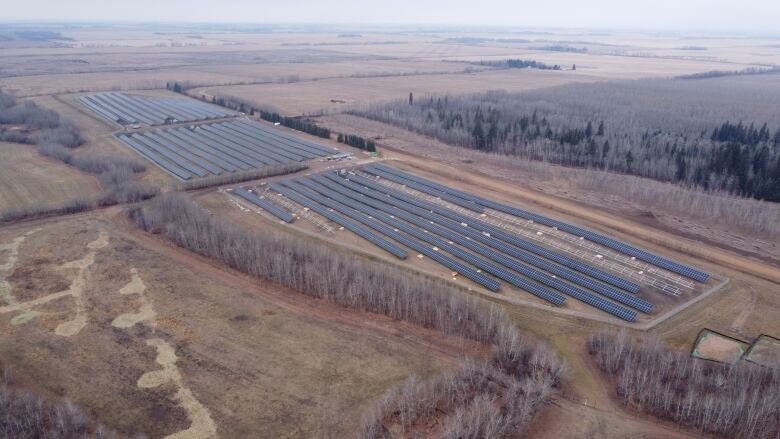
x=738, y=401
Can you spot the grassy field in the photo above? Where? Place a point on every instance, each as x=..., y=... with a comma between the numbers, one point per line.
x=27, y=179
x=256, y=360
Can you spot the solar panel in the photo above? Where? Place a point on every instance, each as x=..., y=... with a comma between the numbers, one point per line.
x=467, y=238
x=338, y=219
x=203, y=152
x=190, y=137
x=156, y=158
x=504, y=236
x=612, y=243
x=169, y=155
x=419, y=233
x=294, y=153
x=444, y=196
x=248, y=155
x=183, y=152
x=265, y=204
x=448, y=262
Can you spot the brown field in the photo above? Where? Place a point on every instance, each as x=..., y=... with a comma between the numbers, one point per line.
x=149, y=338
x=311, y=97
x=28, y=179
x=765, y=351
x=92, y=307
x=715, y=347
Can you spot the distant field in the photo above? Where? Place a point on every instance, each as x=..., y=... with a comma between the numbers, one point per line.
x=338, y=94
x=27, y=179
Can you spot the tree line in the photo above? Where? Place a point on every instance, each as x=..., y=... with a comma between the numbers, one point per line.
x=524, y=373
x=25, y=415
x=241, y=106
x=517, y=63
x=739, y=401
x=294, y=123
x=357, y=142
x=670, y=130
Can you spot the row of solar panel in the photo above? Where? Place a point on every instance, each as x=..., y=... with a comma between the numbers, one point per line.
x=218, y=148
x=265, y=204
x=448, y=262
x=531, y=266
x=507, y=237
x=477, y=203
x=126, y=109
x=341, y=195
x=537, y=268
x=349, y=225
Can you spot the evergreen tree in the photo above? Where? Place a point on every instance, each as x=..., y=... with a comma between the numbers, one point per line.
x=411, y=98
x=600, y=131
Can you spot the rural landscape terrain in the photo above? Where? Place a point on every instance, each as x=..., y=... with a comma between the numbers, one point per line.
x=334, y=231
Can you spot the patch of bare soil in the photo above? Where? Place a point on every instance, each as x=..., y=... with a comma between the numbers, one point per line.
x=712, y=346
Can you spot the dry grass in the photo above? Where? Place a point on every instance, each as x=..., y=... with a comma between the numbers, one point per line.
x=311, y=97
x=263, y=360
x=29, y=179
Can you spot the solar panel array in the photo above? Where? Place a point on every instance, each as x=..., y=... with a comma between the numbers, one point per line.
x=476, y=252
x=265, y=204
x=502, y=235
x=338, y=219
x=466, y=200
x=217, y=148
x=136, y=109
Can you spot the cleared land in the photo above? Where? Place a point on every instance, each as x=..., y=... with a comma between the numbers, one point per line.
x=716, y=347
x=332, y=95
x=117, y=306
x=29, y=179
x=765, y=351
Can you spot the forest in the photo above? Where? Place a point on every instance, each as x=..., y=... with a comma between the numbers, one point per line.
x=719, y=134
x=740, y=401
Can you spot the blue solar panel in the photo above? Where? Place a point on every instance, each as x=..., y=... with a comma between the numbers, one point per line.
x=215, y=128
x=444, y=196
x=169, y=155
x=595, y=237
x=387, y=231
x=227, y=143
x=189, y=137
x=349, y=225
x=265, y=204
x=270, y=142
x=206, y=153
x=431, y=239
x=467, y=238
x=173, y=147
x=156, y=158
x=504, y=236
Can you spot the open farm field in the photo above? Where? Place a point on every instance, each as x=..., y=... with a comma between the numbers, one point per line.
x=334, y=95
x=29, y=179
x=132, y=330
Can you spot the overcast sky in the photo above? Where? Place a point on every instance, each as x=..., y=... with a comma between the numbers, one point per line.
x=717, y=15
